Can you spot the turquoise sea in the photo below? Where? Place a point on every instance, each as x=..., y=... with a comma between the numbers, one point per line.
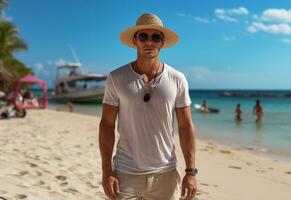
x=272, y=137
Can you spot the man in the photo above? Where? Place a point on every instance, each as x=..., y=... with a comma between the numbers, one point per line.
x=258, y=111
x=145, y=94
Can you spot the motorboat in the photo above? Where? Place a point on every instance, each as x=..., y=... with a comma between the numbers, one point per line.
x=74, y=85
x=202, y=109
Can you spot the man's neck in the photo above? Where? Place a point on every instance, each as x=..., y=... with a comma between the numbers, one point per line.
x=148, y=66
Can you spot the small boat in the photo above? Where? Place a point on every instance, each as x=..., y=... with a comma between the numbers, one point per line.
x=201, y=109
x=72, y=84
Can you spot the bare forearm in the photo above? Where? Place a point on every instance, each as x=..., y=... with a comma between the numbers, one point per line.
x=188, y=144
x=106, y=145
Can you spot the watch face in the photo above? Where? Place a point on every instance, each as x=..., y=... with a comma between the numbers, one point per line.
x=192, y=171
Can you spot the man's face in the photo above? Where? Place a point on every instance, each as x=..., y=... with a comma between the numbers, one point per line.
x=148, y=43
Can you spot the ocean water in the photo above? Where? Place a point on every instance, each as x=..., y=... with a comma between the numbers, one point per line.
x=271, y=137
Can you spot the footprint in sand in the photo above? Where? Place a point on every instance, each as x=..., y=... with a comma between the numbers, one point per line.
x=89, y=184
x=225, y=151
x=22, y=173
x=58, y=158
x=31, y=164
x=71, y=190
x=234, y=167
x=288, y=172
x=38, y=173
x=249, y=163
x=3, y=198
x=64, y=184
x=260, y=171
x=39, y=183
x=20, y=196
x=61, y=178
x=36, y=157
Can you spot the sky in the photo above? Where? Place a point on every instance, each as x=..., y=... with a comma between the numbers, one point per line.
x=224, y=44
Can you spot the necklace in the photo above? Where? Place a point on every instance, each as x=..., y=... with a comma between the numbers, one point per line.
x=148, y=89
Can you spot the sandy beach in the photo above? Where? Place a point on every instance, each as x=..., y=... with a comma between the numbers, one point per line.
x=54, y=155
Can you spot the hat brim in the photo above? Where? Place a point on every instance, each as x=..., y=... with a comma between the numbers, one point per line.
x=126, y=37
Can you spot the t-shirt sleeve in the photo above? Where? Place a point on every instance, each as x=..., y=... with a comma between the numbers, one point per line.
x=110, y=95
x=183, y=98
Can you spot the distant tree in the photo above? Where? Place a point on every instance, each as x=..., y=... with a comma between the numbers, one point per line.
x=11, y=42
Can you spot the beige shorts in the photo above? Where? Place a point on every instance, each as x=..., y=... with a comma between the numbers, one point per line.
x=155, y=186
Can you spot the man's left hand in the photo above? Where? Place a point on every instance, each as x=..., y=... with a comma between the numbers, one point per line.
x=189, y=186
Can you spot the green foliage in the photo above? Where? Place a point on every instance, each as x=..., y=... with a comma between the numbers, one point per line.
x=11, y=42
x=15, y=67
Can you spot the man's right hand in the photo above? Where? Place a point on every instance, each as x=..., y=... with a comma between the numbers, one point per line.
x=110, y=187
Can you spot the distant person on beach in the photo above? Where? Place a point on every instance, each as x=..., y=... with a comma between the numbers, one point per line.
x=70, y=106
x=238, y=112
x=144, y=94
x=204, y=106
x=258, y=111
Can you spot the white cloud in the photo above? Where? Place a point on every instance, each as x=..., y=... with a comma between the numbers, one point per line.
x=273, y=28
x=255, y=16
x=5, y=17
x=286, y=40
x=40, y=69
x=60, y=62
x=181, y=14
x=219, y=11
x=229, y=38
x=227, y=14
x=202, y=20
x=276, y=15
x=238, y=11
x=226, y=18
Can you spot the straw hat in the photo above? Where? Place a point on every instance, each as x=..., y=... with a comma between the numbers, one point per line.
x=149, y=21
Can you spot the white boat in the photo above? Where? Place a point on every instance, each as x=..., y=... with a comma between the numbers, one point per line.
x=73, y=85
x=202, y=109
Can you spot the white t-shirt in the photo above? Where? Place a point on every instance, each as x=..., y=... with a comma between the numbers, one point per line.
x=146, y=128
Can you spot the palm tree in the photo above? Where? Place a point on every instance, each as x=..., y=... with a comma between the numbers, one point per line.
x=3, y=2
x=10, y=40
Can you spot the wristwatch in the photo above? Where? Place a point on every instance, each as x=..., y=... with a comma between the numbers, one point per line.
x=191, y=171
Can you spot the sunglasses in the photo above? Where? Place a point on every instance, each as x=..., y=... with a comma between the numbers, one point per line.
x=156, y=38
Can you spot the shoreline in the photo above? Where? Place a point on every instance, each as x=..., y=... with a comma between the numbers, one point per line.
x=262, y=151
x=54, y=155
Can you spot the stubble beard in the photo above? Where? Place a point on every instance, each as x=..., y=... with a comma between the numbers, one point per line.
x=150, y=55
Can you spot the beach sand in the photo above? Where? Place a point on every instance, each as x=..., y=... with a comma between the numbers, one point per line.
x=53, y=155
